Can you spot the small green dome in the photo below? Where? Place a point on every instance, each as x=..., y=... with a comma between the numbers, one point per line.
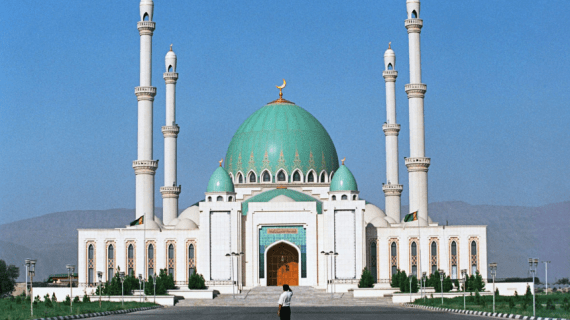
x=220, y=181
x=343, y=180
x=281, y=136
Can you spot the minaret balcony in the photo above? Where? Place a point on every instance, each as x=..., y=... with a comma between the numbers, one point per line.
x=170, y=77
x=416, y=90
x=146, y=27
x=419, y=164
x=390, y=75
x=170, y=192
x=145, y=166
x=392, y=189
x=414, y=25
x=391, y=129
x=170, y=131
x=145, y=93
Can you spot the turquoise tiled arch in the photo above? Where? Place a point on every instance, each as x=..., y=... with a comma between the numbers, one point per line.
x=299, y=240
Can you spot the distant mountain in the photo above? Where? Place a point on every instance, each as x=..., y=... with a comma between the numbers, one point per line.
x=514, y=234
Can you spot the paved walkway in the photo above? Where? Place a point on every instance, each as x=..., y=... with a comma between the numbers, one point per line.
x=302, y=296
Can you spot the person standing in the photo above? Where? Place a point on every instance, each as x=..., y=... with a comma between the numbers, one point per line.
x=285, y=303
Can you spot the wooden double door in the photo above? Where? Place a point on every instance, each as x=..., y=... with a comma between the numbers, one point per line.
x=282, y=265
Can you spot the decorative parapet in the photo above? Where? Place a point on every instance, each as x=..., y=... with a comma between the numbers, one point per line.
x=392, y=189
x=170, y=77
x=417, y=164
x=145, y=93
x=391, y=129
x=170, y=192
x=170, y=131
x=145, y=166
x=146, y=27
x=414, y=25
x=416, y=90
x=390, y=75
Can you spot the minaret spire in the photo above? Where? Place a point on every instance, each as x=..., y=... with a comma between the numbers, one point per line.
x=170, y=191
x=392, y=189
x=145, y=166
x=417, y=163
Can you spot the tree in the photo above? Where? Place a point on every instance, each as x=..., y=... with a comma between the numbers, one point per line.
x=395, y=280
x=404, y=284
x=196, y=282
x=563, y=281
x=8, y=275
x=164, y=281
x=366, y=279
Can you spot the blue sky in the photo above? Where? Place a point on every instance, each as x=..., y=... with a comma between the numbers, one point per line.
x=496, y=109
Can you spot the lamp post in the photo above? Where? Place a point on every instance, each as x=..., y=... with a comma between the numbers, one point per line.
x=464, y=277
x=100, y=276
x=70, y=270
x=546, y=274
x=231, y=256
x=533, y=264
x=493, y=268
x=333, y=266
x=122, y=277
x=327, y=267
x=27, y=263
x=441, y=275
x=31, y=267
x=154, y=283
x=239, y=272
x=424, y=276
x=140, y=287
x=410, y=289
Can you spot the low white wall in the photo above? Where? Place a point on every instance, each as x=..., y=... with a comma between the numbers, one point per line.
x=341, y=287
x=405, y=297
x=224, y=289
x=186, y=293
x=372, y=293
x=509, y=288
x=61, y=293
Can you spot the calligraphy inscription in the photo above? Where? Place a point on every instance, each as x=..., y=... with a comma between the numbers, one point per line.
x=282, y=231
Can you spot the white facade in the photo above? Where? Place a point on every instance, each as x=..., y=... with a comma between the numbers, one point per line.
x=266, y=221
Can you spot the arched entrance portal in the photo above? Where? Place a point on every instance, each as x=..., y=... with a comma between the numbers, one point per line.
x=282, y=265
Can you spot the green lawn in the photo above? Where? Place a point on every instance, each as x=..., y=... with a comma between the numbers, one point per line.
x=12, y=310
x=559, y=305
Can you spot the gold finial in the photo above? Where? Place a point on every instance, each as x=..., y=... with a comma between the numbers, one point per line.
x=170, y=47
x=389, y=45
x=343, y=159
x=281, y=89
x=221, y=161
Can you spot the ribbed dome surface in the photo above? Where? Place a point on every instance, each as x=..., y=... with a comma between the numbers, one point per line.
x=343, y=180
x=281, y=135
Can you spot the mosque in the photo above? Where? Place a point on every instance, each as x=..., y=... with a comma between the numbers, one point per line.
x=280, y=208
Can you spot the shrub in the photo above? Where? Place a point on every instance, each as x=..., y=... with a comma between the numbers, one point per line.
x=497, y=292
x=76, y=299
x=565, y=304
x=86, y=299
x=550, y=305
x=528, y=295
x=19, y=300
x=366, y=279
x=67, y=300
x=447, y=284
x=164, y=282
x=196, y=282
x=47, y=301
x=404, y=282
x=53, y=297
x=8, y=275
x=511, y=303
x=395, y=283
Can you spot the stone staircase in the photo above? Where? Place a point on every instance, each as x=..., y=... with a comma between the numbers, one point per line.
x=302, y=296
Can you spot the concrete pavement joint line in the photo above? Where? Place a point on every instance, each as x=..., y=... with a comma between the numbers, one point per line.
x=488, y=314
x=98, y=314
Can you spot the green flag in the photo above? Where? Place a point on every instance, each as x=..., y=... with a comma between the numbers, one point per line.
x=411, y=217
x=138, y=221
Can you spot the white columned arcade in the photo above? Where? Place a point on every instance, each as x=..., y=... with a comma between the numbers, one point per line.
x=145, y=166
x=417, y=163
x=170, y=191
x=392, y=189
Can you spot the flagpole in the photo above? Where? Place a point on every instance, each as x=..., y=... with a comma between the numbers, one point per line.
x=144, y=248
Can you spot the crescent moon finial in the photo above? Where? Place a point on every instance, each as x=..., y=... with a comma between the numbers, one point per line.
x=343, y=159
x=390, y=45
x=281, y=87
x=221, y=161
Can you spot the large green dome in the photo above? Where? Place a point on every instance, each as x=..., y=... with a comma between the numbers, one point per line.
x=281, y=135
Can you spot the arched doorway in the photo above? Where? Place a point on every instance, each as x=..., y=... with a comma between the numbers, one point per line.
x=282, y=265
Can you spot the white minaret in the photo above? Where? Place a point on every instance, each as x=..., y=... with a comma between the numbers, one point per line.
x=145, y=166
x=392, y=189
x=417, y=163
x=170, y=191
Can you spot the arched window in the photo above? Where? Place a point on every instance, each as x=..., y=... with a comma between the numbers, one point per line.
x=230, y=199
x=323, y=177
x=414, y=14
x=433, y=257
x=473, y=257
x=311, y=177
x=90, y=264
x=110, y=262
x=390, y=66
x=240, y=178
x=191, y=261
x=266, y=177
x=219, y=198
x=354, y=197
x=344, y=197
x=130, y=260
x=171, y=259
x=414, y=260
x=252, y=178
x=296, y=176
x=373, y=260
x=334, y=198
x=145, y=17
x=453, y=260
x=394, y=258
x=169, y=68
x=209, y=199
x=150, y=260
x=281, y=176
